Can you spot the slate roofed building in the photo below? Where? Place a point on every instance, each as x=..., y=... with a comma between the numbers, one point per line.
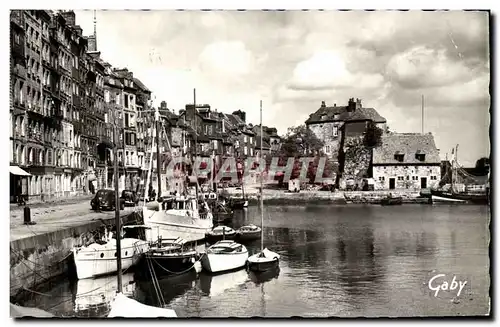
x=406, y=161
x=327, y=122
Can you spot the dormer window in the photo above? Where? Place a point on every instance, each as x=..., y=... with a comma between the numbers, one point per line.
x=398, y=156
x=419, y=155
x=323, y=117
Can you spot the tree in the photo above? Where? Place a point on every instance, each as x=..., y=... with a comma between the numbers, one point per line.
x=373, y=135
x=482, y=166
x=301, y=142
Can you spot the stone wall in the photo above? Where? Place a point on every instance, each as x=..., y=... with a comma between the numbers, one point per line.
x=374, y=197
x=40, y=258
x=406, y=177
x=325, y=132
x=357, y=160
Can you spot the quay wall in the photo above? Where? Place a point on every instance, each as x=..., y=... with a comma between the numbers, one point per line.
x=40, y=258
x=339, y=197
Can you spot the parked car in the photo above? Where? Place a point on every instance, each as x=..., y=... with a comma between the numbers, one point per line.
x=130, y=198
x=105, y=199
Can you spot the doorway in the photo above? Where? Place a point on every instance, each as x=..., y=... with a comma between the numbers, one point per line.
x=423, y=182
x=392, y=183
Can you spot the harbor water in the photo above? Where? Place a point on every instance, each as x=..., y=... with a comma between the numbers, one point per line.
x=344, y=261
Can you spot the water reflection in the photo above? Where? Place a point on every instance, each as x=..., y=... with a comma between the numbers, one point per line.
x=263, y=277
x=335, y=261
x=93, y=296
x=214, y=285
x=171, y=287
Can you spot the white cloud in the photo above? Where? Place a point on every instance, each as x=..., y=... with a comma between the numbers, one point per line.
x=328, y=70
x=231, y=58
x=422, y=66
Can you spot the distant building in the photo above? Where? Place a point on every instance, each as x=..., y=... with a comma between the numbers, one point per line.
x=326, y=123
x=406, y=161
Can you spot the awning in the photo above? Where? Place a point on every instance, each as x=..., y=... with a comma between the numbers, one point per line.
x=15, y=170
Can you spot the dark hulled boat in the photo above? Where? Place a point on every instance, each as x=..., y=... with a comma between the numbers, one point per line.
x=220, y=233
x=168, y=257
x=248, y=233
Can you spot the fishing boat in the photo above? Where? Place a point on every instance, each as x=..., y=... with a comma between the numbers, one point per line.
x=265, y=259
x=100, y=259
x=224, y=256
x=391, y=200
x=248, y=233
x=221, y=233
x=464, y=187
x=170, y=257
x=179, y=216
x=121, y=305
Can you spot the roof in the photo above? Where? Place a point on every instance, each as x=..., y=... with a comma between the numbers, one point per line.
x=340, y=113
x=141, y=85
x=407, y=144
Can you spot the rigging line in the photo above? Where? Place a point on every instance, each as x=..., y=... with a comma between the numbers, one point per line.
x=155, y=286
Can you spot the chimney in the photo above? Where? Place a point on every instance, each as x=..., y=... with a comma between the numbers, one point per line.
x=351, y=107
x=358, y=103
x=92, y=44
x=69, y=17
x=163, y=105
x=323, y=104
x=334, y=104
x=241, y=114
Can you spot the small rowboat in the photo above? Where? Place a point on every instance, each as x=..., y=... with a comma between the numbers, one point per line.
x=249, y=232
x=220, y=233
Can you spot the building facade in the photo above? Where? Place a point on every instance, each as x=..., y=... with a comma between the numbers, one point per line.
x=406, y=161
x=326, y=123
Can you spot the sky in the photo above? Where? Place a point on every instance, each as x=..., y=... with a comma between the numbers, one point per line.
x=294, y=60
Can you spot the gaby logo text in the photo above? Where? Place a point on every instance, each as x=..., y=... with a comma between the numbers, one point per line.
x=438, y=283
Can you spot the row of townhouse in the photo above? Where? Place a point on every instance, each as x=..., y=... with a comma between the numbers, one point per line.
x=401, y=161
x=205, y=132
x=65, y=101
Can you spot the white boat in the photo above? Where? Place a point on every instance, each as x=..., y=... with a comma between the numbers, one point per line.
x=264, y=260
x=97, y=292
x=101, y=259
x=123, y=307
x=436, y=199
x=180, y=218
x=224, y=256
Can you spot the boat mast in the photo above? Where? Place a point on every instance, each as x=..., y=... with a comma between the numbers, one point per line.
x=422, y=114
x=195, y=139
x=117, y=211
x=158, y=164
x=261, y=199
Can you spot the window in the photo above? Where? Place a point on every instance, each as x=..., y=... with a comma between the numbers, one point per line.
x=245, y=150
x=327, y=149
x=245, y=139
x=126, y=101
x=433, y=178
x=335, y=130
x=381, y=178
x=251, y=151
x=415, y=178
x=401, y=178
x=106, y=96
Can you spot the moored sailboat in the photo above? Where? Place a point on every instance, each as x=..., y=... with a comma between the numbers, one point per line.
x=224, y=256
x=265, y=259
x=121, y=305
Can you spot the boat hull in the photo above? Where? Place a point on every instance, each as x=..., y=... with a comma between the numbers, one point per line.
x=239, y=204
x=440, y=196
x=94, y=262
x=391, y=201
x=173, y=226
x=261, y=266
x=167, y=265
x=215, y=263
x=212, y=238
x=249, y=236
